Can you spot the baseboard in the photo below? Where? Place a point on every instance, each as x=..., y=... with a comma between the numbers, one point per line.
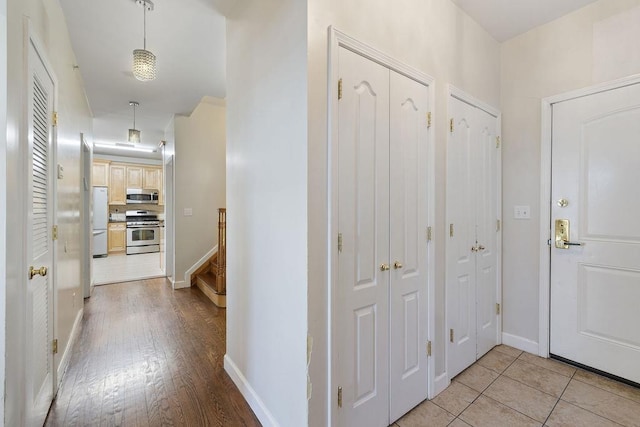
x=66, y=356
x=198, y=264
x=520, y=343
x=440, y=384
x=180, y=284
x=249, y=394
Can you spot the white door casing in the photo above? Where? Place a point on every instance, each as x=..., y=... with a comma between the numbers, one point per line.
x=595, y=287
x=39, y=369
x=363, y=288
x=409, y=141
x=472, y=284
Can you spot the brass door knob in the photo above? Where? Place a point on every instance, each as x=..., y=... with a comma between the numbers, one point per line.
x=384, y=267
x=481, y=248
x=42, y=271
x=397, y=265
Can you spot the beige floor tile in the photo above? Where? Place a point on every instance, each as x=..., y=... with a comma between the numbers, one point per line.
x=508, y=350
x=568, y=415
x=537, y=377
x=522, y=398
x=496, y=360
x=487, y=412
x=458, y=423
x=607, y=384
x=477, y=377
x=426, y=414
x=550, y=364
x=456, y=398
x=603, y=403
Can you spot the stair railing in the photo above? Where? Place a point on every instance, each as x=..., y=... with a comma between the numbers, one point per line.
x=221, y=263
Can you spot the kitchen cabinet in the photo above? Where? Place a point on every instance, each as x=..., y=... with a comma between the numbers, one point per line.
x=151, y=178
x=134, y=176
x=100, y=173
x=117, y=184
x=116, y=237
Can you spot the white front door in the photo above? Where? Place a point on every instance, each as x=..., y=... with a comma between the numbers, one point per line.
x=362, y=308
x=472, y=200
x=595, y=276
x=39, y=312
x=408, y=253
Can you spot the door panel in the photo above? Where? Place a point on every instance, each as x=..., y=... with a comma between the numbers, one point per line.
x=409, y=145
x=595, y=287
x=363, y=219
x=39, y=332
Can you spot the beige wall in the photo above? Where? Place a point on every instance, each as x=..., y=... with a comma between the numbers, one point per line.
x=200, y=177
x=267, y=202
x=591, y=45
x=74, y=117
x=433, y=36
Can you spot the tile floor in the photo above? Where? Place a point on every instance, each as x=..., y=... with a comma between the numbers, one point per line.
x=116, y=268
x=508, y=387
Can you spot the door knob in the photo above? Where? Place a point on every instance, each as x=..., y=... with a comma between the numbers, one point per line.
x=481, y=248
x=397, y=265
x=384, y=267
x=33, y=272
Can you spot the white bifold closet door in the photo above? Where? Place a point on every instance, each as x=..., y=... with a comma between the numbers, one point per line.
x=381, y=296
x=472, y=201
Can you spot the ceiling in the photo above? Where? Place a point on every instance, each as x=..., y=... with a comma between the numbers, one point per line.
x=504, y=19
x=188, y=39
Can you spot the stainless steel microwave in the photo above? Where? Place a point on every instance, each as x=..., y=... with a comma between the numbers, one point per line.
x=137, y=195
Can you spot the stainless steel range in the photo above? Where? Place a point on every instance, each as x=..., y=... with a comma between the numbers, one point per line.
x=143, y=232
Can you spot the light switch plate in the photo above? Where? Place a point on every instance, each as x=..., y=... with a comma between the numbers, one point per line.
x=188, y=212
x=522, y=212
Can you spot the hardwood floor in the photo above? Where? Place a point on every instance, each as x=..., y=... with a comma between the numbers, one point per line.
x=149, y=356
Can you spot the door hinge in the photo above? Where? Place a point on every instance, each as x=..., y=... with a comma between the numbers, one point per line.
x=54, y=346
x=429, y=234
x=340, y=89
x=54, y=118
x=429, y=348
x=451, y=335
x=339, y=242
x=450, y=230
x=429, y=119
x=497, y=308
x=451, y=125
x=497, y=142
x=54, y=233
x=498, y=225
x=548, y=242
x=339, y=397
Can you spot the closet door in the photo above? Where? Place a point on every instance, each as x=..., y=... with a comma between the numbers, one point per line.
x=362, y=300
x=408, y=252
x=472, y=243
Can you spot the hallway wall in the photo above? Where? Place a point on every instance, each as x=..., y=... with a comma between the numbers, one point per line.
x=74, y=117
x=589, y=46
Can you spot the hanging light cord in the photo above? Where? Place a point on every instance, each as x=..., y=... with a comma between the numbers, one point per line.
x=144, y=25
x=134, y=116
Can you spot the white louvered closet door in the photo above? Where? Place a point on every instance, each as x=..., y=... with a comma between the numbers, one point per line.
x=39, y=316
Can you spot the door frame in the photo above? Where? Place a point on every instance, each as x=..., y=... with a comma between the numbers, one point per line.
x=544, y=313
x=338, y=39
x=31, y=38
x=459, y=94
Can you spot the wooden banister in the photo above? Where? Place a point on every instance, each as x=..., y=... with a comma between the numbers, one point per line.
x=221, y=262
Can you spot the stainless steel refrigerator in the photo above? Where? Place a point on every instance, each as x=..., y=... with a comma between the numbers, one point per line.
x=100, y=220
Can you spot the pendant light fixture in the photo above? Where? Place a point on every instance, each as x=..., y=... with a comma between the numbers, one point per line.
x=144, y=62
x=134, y=134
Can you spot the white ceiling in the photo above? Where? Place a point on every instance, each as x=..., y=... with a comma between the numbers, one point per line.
x=188, y=39
x=504, y=19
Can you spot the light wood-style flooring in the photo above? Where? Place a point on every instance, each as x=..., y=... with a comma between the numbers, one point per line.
x=149, y=356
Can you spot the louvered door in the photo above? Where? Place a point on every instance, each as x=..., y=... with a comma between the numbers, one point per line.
x=39, y=316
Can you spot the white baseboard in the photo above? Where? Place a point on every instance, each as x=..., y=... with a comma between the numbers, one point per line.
x=440, y=384
x=197, y=265
x=249, y=394
x=66, y=356
x=520, y=343
x=180, y=284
